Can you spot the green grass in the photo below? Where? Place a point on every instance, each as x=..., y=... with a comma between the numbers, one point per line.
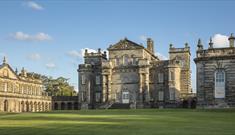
x=120, y=122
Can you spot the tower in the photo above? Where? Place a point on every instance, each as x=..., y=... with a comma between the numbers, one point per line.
x=182, y=57
x=90, y=78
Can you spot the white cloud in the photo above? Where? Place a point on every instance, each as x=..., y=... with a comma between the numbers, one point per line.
x=26, y=37
x=74, y=53
x=79, y=54
x=143, y=38
x=220, y=40
x=34, y=57
x=33, y=5
x=50, y=65
x=161, y=56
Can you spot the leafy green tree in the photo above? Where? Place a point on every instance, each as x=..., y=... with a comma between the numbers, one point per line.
x=55, y=87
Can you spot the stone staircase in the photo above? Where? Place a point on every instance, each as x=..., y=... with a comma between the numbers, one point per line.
x=119, y=106
x=220, y=103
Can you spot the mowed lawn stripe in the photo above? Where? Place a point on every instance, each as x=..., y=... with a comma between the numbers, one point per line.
x=116, y=122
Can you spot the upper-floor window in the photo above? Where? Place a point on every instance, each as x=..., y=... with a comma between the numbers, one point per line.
x=5, y=86
x=160, y=77
x=5, y=73
x=117, y=60
x=83, y=79
x=125, y=60
x=160, y=95
x=97, y=79
x=172, y=76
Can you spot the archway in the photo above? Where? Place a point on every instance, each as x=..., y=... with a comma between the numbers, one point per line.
x=69, y=105
x=5, y=106
x=46, y=106
x=185, y=103
x=56, y=106
x=193, y=104
x=39, y=106
x=62, y=106
x=27, y=106
x=22, y=106
x=75, y=106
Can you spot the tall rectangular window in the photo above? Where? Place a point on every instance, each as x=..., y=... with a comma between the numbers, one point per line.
x=97, y=79
x=160, y=77
x=172, y=76
x=83, y=79
x=160, y=95
x=97, y=97
x=5, y=87
x=172, y=94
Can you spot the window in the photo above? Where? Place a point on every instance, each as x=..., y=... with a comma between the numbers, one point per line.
x=172, y=76
x=97, y=79
x=97, y=97
x=5, y=87
x=117, y=61
x=160, y=77
x=172, y=94
x=125, y=95
x=83, y=79
x=160, y=95
x=126, y=60
x=219, y=84
x=5, y=73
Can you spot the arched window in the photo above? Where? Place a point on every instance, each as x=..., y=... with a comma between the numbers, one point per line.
x=219, y=84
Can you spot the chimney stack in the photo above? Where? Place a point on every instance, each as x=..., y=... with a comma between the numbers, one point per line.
x=150, y=45
x=231, y=40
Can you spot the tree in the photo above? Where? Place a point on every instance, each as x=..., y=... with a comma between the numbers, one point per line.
x=58, y=86
x=55, y=87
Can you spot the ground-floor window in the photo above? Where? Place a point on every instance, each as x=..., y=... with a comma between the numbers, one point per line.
x=219, y=84
x=172, y=94
x=97, y=96
x=125, y=97
x=160, y=95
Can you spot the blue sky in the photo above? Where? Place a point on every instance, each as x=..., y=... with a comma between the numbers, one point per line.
x=48, y=37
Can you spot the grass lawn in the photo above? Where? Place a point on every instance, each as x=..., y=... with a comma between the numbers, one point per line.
x=120, y=122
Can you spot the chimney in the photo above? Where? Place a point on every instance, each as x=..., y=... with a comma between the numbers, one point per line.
x=150, y=45
x=231, y=40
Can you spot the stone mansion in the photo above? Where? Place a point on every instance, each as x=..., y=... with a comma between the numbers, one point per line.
x=134, y=75
x=131, y=76
x=21, y=92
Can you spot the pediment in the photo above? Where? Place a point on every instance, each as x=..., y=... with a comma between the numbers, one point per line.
x=7, y=72
x=125, y=45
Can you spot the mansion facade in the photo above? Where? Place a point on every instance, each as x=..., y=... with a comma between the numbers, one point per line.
x=21, y=92
x=216, y=75
x=134, y=75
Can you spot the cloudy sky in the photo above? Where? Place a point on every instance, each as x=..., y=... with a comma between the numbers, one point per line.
x=49, y=37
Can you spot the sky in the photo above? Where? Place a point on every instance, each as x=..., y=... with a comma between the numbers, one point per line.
x=49, y=37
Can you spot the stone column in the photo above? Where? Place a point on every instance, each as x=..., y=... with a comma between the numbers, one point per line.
x=104, y=88
x=147, y=96
x=139, y=103
x=109, y=88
